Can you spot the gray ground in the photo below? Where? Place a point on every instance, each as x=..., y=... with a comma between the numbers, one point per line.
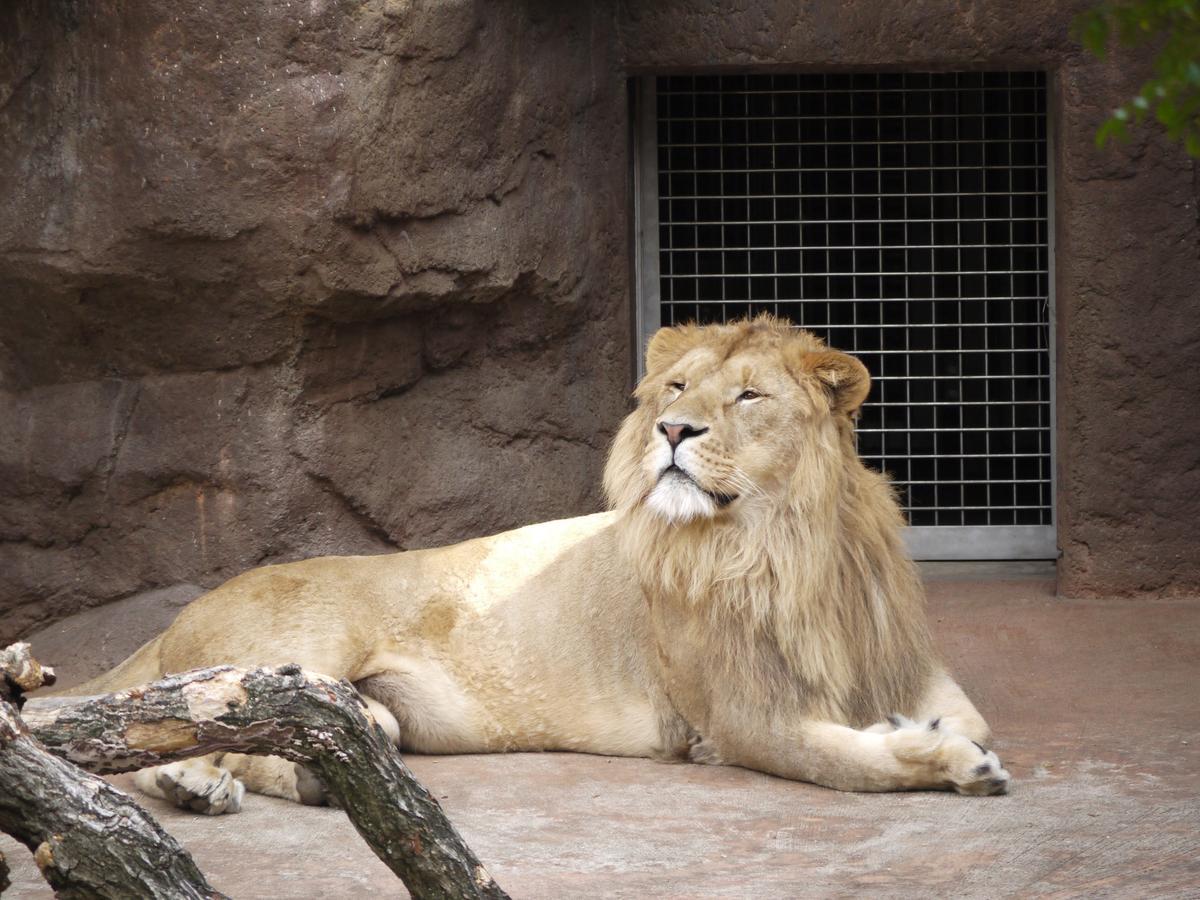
x=1096, y=710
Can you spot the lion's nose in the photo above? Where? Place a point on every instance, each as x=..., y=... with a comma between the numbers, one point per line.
x=678, y=432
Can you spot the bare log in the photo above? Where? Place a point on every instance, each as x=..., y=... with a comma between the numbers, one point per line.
x=306, y=718
x=89, y=839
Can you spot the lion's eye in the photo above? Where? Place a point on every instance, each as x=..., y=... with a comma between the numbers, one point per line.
x=749, y=394
x=677, y=386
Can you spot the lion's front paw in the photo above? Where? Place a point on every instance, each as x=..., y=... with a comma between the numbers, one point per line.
x=977, y=772
x=703, y=751
x=200, y=787
x=946, y=759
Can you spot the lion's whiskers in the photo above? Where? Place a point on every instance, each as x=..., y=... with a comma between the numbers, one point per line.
x=738, y=482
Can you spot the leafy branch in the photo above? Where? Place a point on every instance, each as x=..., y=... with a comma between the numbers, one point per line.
x=1172, y=96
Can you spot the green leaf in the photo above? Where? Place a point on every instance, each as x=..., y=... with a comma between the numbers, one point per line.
x=1112, y=128
x=1167, y=112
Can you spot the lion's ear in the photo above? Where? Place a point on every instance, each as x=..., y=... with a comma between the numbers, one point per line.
x=669, y=345
x=844, y=377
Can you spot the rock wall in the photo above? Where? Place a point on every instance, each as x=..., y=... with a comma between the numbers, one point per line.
x=284, y=278
x=281, y=279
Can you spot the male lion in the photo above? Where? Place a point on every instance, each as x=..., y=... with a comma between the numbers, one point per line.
x=747, y=601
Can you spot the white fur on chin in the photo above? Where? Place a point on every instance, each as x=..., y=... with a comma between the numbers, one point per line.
x=678, y=500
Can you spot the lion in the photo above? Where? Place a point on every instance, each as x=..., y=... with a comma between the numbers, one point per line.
x=746, y=600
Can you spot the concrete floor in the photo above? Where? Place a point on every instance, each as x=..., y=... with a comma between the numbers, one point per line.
x=1096, y=710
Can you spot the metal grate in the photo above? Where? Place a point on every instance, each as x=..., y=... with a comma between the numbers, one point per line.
x=903, y=217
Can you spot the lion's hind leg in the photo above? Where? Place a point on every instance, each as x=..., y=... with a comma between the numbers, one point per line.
x=422, y=708
x=273, y=776
x=217, y=784
x=383, y=718
x=199, y=785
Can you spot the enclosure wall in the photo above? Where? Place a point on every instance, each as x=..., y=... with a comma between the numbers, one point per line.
x=286, y=279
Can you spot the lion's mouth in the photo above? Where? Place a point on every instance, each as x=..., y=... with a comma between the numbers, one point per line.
x=722, y=500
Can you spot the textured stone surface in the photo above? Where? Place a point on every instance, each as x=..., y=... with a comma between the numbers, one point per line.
x=1129, y=354
x=284, y=279
x=1095, y=713
x=281, y=279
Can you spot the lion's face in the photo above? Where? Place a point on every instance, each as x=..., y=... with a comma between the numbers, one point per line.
x=723, y=429
x=727, y=413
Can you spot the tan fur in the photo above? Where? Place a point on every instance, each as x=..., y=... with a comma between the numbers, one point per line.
x=751, y=605
x=813, y=573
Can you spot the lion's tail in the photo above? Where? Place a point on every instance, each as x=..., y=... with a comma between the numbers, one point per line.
x=142, y=667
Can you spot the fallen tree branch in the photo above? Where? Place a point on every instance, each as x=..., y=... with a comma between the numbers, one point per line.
x=306, y=718
x=89, y=839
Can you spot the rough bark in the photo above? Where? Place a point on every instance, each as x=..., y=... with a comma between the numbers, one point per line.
x=4, y=881
x=88, y=839
x=285, y=712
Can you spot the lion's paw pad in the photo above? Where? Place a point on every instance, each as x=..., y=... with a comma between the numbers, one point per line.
x=206, y=790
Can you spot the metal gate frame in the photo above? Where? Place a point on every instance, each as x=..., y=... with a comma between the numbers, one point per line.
x=937, y=542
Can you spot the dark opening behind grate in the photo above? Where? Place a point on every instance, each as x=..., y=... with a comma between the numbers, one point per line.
x=901, y=217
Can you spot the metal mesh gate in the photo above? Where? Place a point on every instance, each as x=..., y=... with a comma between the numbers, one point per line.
x=902, y=217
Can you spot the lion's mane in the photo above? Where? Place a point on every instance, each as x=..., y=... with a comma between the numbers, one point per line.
x=820, y=586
